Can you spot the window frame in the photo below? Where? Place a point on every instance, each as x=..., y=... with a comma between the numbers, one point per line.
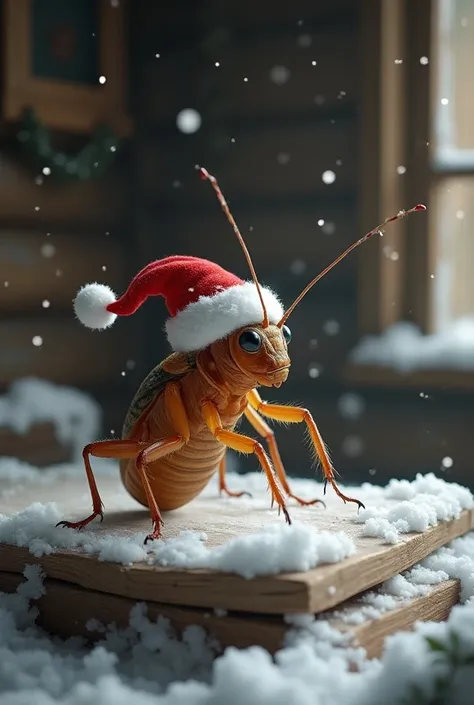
x=396, y=103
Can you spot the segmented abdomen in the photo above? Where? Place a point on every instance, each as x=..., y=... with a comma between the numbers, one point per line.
x=179, y=478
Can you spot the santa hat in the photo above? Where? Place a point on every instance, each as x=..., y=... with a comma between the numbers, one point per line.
x=205, y=302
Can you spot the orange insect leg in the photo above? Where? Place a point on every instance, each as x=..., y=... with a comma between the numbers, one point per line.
x=223, y=485
x=293, y=414
x=244, y=444
x=144, y=453
x=154, y=452
x=267, y=433
x=102, y=449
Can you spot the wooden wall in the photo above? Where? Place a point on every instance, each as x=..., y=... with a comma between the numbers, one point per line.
x=53, y=239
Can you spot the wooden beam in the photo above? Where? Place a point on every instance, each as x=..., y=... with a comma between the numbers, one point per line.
x=382, y=136
x=66, y=609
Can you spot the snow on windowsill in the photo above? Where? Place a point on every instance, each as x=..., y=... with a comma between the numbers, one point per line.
x=75, y=415
x=403, y=347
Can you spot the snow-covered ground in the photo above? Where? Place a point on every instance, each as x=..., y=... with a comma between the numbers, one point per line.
x=404, y=348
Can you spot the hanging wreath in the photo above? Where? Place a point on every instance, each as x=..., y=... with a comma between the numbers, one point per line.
x=90, y=162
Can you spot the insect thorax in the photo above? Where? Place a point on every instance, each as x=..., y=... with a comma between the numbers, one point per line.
x=153, y=384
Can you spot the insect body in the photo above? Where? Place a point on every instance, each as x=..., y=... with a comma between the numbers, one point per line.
x=230, y=338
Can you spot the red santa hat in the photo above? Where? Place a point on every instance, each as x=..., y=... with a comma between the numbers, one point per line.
x=205, y=302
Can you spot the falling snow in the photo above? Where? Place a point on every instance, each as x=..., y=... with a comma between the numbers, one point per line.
x=188, y=121
x=328, y=177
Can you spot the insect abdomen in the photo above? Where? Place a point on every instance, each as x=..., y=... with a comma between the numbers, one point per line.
x=179, y=478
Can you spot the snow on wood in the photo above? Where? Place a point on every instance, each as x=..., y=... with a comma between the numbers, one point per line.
x=74, y=414
x=213, y=547
x=404, y=348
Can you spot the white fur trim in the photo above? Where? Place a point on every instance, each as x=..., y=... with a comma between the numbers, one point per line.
x=214, y=317
x=90, y=303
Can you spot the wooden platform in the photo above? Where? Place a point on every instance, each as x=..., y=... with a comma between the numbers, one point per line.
x=80, y=587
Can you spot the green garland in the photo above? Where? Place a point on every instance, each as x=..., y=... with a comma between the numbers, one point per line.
x=90, y=162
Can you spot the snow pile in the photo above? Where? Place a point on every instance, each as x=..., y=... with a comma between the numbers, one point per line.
x=147, y=663
x=276, y=548
x=404, y=348
x=75, y=415
x=425, y=501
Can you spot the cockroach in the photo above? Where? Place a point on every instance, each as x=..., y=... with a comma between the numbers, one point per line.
x=229, y=338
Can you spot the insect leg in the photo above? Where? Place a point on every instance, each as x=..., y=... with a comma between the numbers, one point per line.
x=244, y=444
x=295, y=414
x=102, y=449
x=179, y=421
x=223, y=485
x=148, y=455
x=264, y=430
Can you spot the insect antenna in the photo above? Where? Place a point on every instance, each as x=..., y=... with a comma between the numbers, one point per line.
x=363, y=239
x=206, y=175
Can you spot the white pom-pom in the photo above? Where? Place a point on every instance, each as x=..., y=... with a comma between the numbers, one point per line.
x=90, y=306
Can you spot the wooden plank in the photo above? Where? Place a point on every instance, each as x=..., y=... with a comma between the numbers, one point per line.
x=311, y=592
x=421, y=234
x=65, y=610
x=69, y=353
x=434, y=607
x=249, y=168
x=101, y=202
x=39, y=268
x=38, y=446
x=180, y=80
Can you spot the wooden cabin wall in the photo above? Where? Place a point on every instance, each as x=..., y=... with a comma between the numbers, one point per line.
x=53, y=239
x=269, y=143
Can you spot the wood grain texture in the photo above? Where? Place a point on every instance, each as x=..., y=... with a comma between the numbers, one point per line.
x=65, y=610
x=249, y=168
x=69, y=354
x=37, y=267
x=312, y=591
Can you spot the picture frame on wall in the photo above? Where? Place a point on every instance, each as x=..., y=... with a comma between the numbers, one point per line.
x=67, y=61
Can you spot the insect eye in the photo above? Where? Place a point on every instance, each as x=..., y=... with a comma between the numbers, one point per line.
x=250, y=341
x=286, y=333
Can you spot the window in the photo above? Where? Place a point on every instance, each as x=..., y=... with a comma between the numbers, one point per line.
x=417, y=145
x=452, y=161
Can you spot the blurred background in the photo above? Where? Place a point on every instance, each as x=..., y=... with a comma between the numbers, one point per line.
x=320, y=119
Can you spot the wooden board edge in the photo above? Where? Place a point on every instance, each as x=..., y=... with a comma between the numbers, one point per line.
x=434, y=607
x=65, y=609
x=358, y=574
x=311, y=592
